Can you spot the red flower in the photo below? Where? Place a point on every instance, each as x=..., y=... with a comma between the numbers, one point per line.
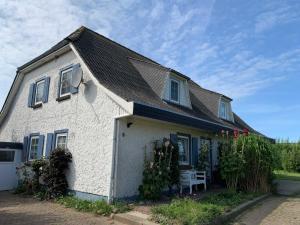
x=245, y=131
x=235, y=133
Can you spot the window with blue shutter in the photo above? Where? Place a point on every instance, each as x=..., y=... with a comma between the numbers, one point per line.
x=65, y=89
x=39, y=92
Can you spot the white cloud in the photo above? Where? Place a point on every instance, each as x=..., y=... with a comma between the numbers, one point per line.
x=277, y=15
x=244, y=74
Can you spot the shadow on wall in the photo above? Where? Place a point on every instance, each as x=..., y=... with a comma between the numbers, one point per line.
x=90, y=95
x=90, y=91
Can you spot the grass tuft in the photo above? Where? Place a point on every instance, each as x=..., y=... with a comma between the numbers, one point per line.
x=191, y=212
x=97, y=207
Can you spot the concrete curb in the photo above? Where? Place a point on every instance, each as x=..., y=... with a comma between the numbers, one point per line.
x=133, y=218
x=238, y=210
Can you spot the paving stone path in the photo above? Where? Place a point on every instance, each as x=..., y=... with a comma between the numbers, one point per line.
x=16, y=210
x=276, y=210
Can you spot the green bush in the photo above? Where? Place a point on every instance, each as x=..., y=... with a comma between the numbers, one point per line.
x=162, y=172
x=54, y=173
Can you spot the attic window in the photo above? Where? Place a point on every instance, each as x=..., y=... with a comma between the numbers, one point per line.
x=224, y=111
x=39, y=91
x=174, y=90
x=65, y=82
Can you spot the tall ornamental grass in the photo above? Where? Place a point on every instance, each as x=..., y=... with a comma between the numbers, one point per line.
x=247, y=163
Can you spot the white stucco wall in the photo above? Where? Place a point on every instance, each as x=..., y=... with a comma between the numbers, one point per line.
x=88, y=115
x=133, y=142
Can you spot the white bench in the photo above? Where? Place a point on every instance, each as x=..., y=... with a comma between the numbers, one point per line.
x=192, y=177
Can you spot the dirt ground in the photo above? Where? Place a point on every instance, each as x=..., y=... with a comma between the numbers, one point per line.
x=276, y=210
x=16, y=210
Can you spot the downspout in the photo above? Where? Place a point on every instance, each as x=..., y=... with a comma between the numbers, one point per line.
x=113, y=164
x=115, y=153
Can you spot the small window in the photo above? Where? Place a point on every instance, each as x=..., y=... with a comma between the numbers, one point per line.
x=39, y=92
x=224, y=110
x=7, y=156
x=183, y=148
x=34, y=145
x=65, y=82
x=61, y=141
x=174, y=91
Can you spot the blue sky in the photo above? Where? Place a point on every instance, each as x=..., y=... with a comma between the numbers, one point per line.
x=248, y=50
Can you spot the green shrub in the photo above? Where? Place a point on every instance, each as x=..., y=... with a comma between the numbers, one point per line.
x=37, y=167
x=54, y=173
x=163, y=171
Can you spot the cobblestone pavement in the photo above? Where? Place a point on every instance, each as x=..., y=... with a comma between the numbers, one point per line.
x=16, y=210
x=276, y=210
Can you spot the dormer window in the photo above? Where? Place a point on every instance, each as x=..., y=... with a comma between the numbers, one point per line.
x=225, y=110
x=174, y=90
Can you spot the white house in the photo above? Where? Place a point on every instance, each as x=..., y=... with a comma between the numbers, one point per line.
x=125, y=102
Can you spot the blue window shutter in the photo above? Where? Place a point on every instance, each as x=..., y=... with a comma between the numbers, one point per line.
x=31, y=95
x=76, y=67
x=173, y=139
x=49, y=144
x=195, y=152
x=41, y=146
x=46, y=90
x=25, y=149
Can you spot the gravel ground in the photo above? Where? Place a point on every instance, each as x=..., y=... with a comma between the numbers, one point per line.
x=276, y=210
x=16, y=210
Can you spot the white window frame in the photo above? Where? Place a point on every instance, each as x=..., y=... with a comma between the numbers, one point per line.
x=30, y=146
x=65, y=134
x=36, y=89
x=178, y=83
x=60, y=87
x=187, y=162
x=225, y=104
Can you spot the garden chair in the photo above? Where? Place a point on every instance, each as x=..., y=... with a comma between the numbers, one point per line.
x=192, y=177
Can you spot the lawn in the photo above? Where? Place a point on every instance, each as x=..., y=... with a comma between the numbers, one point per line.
x=284, y=175
x=191, y=212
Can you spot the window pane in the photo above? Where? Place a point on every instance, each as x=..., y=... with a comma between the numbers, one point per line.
x=7, y=156
x=61, y=141
x=39, y=91
x=183, y=147
x=223, y=110
x=66, y=82
x=34, y=148
x=174, y=91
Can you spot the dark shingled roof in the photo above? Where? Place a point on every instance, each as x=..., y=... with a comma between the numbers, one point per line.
x=110, y=63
